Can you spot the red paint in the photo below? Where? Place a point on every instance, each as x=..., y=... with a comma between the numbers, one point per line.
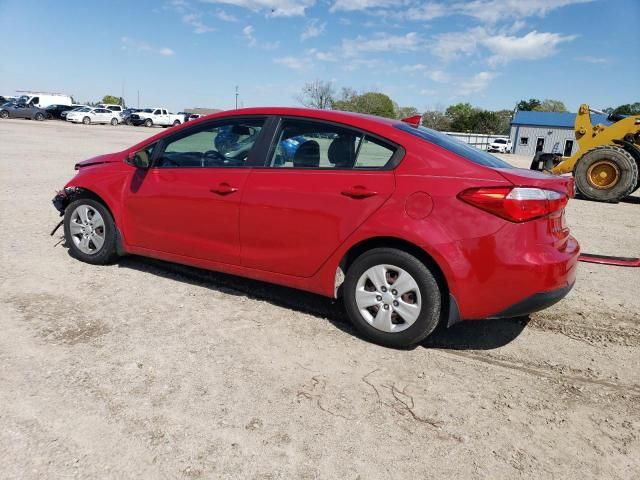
x=294, y=226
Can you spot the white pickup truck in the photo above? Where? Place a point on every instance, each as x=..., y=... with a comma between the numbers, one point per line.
x=156, y=116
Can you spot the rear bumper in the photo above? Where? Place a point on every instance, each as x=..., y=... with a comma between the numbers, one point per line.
x=534, y=303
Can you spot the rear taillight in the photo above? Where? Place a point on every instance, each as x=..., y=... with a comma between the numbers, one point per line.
x=517, y=204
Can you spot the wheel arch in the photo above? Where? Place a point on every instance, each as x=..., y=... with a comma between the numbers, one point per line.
x=71, y=194
x=394, y=242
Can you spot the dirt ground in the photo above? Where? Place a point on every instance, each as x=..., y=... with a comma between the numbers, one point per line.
x=145, y=369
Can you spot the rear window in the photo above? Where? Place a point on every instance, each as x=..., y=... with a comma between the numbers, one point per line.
x=456, y=146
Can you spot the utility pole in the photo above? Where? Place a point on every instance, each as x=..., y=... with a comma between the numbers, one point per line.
x=236, y=97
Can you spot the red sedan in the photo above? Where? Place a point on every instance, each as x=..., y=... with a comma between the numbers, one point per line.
x=408, y=226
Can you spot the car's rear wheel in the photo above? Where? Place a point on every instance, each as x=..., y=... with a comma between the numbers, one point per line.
x=148, y=122
x=176, y=123
x=90, y=232
x=114, y=121
x=391, y=297
x=86, y=120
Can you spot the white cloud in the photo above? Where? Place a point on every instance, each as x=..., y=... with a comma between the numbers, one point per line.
x=381, y=43
x=354, y=5
x=142, y=46
x=595, y=60
x=533, y=46
x=225, y=17
x=495, y=10
x=294, y=63
x=313, y=29
x=449, y=46
x=488, y=11
x=252, y=41
x=418, y=67
x=322, y=56
x=274, y=8
x=427, y=91
x=439, y=76
x=475, y=84
x=194, y=20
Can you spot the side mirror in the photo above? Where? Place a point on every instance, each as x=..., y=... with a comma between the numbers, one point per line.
x=139, y=159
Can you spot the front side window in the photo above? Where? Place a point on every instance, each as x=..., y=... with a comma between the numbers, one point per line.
x=309, y=144
x=224, y=144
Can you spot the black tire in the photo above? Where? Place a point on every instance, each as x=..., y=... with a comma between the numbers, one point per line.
x=129, y=123
x=148, y=122
x=39, y=117
x=431, y=300
x=4, y=114
x=627, y=172
x=176, y=123
x=108, y=252
x=86, y=120
x=114, y=121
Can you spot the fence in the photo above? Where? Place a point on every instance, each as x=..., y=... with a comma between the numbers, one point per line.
x=478, y=140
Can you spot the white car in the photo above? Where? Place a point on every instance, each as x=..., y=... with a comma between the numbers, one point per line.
x=500, y=145
x=89, y=115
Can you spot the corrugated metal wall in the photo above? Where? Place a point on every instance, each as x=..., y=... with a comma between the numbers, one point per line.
x=553, y=137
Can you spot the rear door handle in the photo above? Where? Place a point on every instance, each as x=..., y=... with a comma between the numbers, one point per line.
x=223, y=189
x=358, y=192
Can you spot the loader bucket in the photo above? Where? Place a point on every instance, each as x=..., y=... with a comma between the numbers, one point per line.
x=544, y=161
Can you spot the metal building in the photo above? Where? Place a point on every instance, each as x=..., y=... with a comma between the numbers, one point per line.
x=548, y=132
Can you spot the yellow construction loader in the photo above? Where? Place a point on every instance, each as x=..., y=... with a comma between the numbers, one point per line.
x=605, y=166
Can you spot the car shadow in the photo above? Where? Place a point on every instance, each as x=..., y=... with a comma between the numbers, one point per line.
x=477, y=334
x=474, y=335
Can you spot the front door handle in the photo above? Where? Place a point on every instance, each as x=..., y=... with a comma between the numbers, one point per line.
x=223, y=189
x=358, y=192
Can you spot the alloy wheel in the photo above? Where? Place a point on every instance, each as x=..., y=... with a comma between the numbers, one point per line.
x=87, y=229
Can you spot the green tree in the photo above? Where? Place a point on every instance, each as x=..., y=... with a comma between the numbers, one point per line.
x=549, y=105
x=460, y=117
x=112, y=99
x=626, y=109
x=404, y=112
x=528, y=105
x=372, y=103
x=436, y=120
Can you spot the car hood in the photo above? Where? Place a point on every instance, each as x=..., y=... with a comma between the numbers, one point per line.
x=100, y=159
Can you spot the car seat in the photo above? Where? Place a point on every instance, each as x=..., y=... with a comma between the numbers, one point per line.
x=307, y=155
x=341, y=153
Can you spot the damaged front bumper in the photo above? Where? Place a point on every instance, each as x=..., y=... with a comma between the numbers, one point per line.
x=62, y=199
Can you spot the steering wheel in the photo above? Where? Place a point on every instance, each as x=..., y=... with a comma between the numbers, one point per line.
x=169, y=161
x=212, y=156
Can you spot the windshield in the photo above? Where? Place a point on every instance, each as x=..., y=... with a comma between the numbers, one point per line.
x=82, y=109
x=453, y=145
x=500, y=140
x=148, y=110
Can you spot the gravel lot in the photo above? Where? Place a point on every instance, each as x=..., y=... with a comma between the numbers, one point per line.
x=147, y=369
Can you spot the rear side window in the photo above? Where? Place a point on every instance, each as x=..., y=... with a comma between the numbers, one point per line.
x=319, y=145
x=456, y=146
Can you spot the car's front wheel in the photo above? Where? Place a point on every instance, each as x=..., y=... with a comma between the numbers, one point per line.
x=86, y=120
x=391, y=297
x=90, y=231
x=148, y=122
x=4, y=114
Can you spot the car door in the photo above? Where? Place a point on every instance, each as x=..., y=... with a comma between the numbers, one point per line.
x=188, y=203
x=319, y=185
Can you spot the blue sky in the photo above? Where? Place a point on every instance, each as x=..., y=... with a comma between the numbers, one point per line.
x=192, y=53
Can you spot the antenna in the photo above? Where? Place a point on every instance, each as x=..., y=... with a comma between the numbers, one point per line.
x=236, y=97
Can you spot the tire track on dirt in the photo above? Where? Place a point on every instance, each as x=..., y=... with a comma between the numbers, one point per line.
x=538, y=372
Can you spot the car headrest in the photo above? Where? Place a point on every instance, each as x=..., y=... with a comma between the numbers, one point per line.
x=240, y=130
x=307, y=155
x=341, y=152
